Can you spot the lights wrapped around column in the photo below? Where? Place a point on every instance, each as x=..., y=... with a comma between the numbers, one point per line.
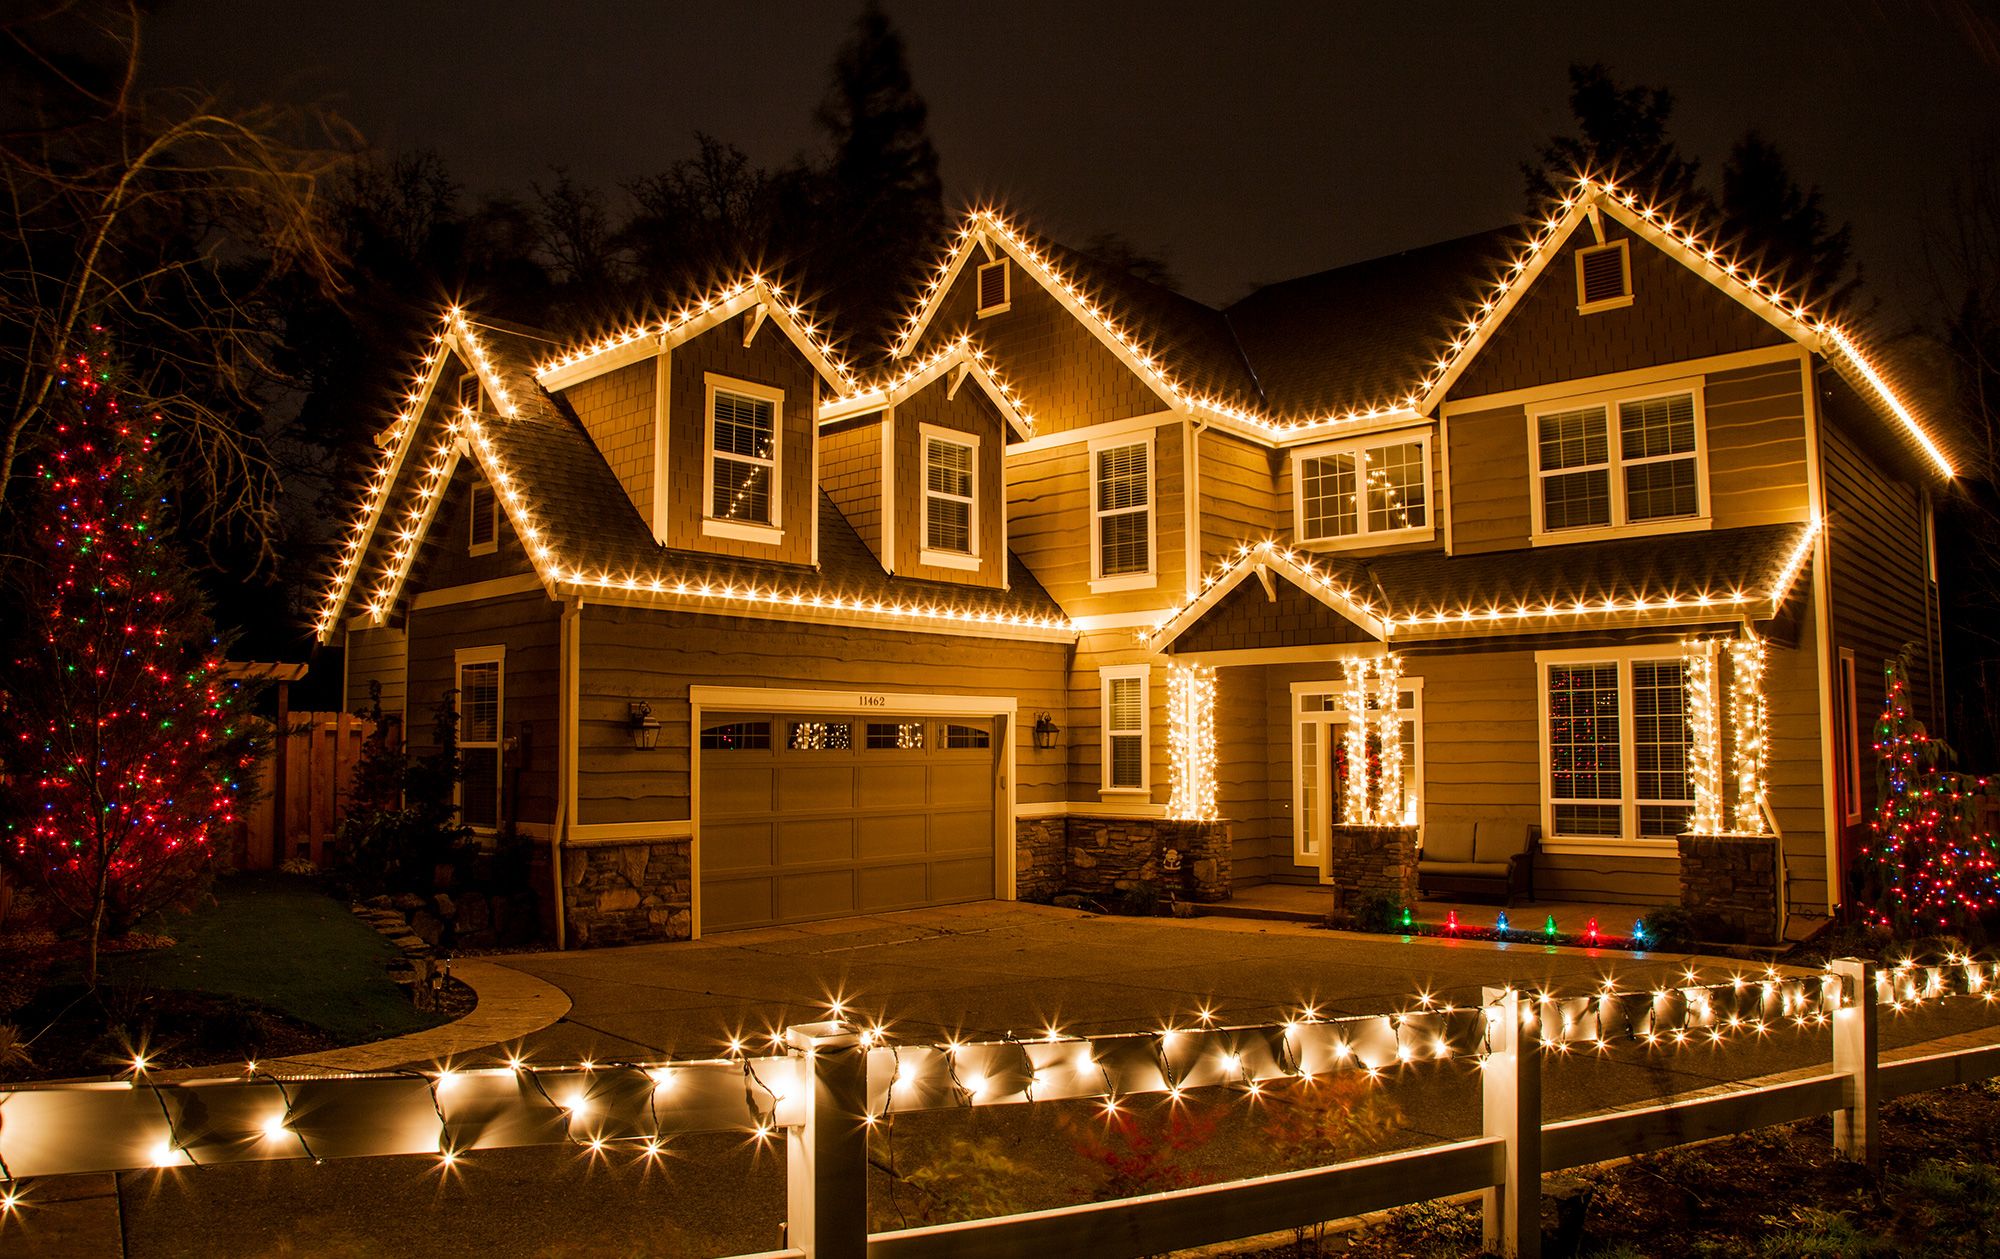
x=1354, y=810
x=1704, y=716
x=1388, y=802
x=1749, y=718
x=1191, y=742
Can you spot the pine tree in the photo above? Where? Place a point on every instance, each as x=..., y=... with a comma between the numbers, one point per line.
x=127, y=752
x=1934, y=870
x=1782, y=228
x=1622, y=133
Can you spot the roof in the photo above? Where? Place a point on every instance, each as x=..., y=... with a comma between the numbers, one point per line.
x=598, y=540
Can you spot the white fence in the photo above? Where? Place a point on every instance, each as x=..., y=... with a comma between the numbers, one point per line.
x=825, y=1085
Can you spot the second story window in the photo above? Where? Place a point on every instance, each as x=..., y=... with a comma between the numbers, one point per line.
x=1606, y=463
x=1121, y=514
x=951, y=515
x=1364, y=493
x=744, y=429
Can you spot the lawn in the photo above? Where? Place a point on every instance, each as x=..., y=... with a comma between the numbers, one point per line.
x=283, y=942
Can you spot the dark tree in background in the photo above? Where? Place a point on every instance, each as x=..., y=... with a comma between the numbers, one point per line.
x=1781, y=229
x=1622, y=133
x=127, y=754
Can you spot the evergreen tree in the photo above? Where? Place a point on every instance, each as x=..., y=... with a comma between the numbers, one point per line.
x=1781, y=229
x=1622, y=134
x=127, y=752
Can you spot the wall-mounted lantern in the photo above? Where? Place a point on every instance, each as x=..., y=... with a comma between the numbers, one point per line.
x=1046, y=731
x=644, y=725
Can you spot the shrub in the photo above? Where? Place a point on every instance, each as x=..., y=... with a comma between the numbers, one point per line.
x=971, y=1180
x=1378, y=912
x=1328, y=1119
x=1672, y=927
x=1132, y=1153
x=1141, y=900
x=401, y=824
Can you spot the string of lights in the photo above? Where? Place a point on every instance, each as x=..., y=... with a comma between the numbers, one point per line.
x=1191, y=742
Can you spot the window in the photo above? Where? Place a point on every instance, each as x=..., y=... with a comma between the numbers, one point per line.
x=1604, y=463
x=1603, y=278
x=996, y=288
x=951, y=517
x=1615, y=740
x=1319, y=759
x=821, y=736
x=479, y=717
x=1121, y=517
x=736, y=736
x=956, y=736
x=895, y=734
x=483, y=510
x=1376, y=492
x=745, y=423
x=1125, y=751
x=1847, y=743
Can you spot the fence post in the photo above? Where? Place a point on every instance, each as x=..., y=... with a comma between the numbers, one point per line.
x=826, y=1152
x=1855, y=1025
x=1511, y=1085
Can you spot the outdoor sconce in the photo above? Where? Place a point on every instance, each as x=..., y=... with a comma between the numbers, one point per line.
x=1046, y=731
x=644, y=725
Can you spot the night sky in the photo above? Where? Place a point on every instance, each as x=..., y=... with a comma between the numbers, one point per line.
x=1250, y=144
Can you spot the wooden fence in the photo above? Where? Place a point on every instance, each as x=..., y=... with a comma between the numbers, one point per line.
x=304, y=784
x=825, y=1085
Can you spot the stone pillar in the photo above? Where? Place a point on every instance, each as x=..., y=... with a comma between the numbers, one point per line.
x=1367, y=860
x=1729, y=885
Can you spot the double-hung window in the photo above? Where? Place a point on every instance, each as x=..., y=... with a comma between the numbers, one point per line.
x=1615, y=738
x=1364, y=493
x=1126, y=751
x=744, y=433
x=1619, y=462
x=1121, y=515
x=479, y=709
x=951, y=512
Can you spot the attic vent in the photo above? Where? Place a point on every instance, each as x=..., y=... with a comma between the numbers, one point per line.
x=995, y=288
x=1603, y=277
x=484, y=511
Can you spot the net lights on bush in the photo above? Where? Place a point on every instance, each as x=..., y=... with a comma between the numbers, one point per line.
x=1191, y=742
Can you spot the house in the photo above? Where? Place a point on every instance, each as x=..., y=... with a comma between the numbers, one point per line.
x=1576, y=525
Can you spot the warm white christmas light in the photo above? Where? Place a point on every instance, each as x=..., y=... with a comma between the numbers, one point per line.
x=1749, y=719
x=1704, y=715
x=1191, y=742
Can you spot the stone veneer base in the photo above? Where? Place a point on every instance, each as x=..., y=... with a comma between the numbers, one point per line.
x=1729, y=885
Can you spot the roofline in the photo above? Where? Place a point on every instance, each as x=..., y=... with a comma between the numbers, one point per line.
x=1262, y=558
x=962, y=354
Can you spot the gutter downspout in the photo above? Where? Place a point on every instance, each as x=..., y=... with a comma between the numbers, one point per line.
x=569, y=641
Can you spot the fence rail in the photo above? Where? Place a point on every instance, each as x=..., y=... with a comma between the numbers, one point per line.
x=824, y=1085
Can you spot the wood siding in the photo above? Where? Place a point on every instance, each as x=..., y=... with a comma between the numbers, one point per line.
x=377, y=655
x=1490, y=480
x=527, y=625
x=850, y=471
x=970, y=412
x=1247, y=618
x=1756, y=446
x=1675, y=315
x=1239, y=494
x=618, y=410
x=771, y=361
x=1049, y=524
x=446, y=559
x=1085, y=732
x=639, y=654
x=1064, y=375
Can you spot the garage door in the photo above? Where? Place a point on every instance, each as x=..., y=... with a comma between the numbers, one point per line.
x=808, y=816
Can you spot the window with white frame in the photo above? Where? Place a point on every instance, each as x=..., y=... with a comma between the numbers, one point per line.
x=1319, y=759
x=483, y=511
x=479, y=716
x=951, y=513
x=996, y=288
x=1615, y=738
x=745, y=424
x=1365, y=492
x=1605, y=463
x=1121, y=516
x=1127, y=753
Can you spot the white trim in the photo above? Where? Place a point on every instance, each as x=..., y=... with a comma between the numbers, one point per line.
x=1119, y=620
x=494, y=654
x=1094, y=432
x=959, y=362
x=421, y=533
x=1091, y=808
x=1106, y=676
x=1615, y=382
x=969, y=558
x=802, y=612
x=1006, y=302
x=1102, y=582
x=767, y=531
x=1628, y=840
x=558, y=379
x=1317, y=653
x=1610, y=403
x=1261, y=561
x=888, y=487
x=1191, y=530
x=1444, y=479
x=1359, y=449
x=1622, y=247
x=1649, y=849
x=663, y=408
x=1847, y=708
x=1822, y=605
x=497, y=588
x=602, y=833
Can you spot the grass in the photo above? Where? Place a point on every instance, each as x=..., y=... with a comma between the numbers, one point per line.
x=281, y=941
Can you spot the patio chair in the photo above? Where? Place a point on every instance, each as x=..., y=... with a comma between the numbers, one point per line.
x=1492, y=857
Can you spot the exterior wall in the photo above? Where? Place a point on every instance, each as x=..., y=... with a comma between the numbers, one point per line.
x=1248, y=618
x=850, y=471
x=1048, y=506
x=618, y=410
x=527, y=625
x=1085, y=731
x=1490, y=508
x=447, y=560
x=627, y=893
x=1675, y=315
x=1246, y=795
x=970, y=412
x=376, y=655
x=770, y=360
x=633, y=653
x=1065, y=376
x=1239, y=493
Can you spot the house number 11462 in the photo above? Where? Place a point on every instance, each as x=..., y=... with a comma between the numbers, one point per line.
x=874, y=701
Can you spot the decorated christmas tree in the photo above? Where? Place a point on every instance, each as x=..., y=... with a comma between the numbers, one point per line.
x=1933, y=869
x=126, y=752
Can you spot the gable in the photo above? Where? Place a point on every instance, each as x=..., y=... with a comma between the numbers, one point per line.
x=445, y=556
x=1675, y=315
x=1248, y=618
x=618, y=409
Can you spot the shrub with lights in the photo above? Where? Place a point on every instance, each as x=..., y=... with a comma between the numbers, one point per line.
x=126, y=751
x=1930, y=868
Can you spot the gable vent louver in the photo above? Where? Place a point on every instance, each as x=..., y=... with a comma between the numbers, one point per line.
x=993, y=287
x=1603, y=275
